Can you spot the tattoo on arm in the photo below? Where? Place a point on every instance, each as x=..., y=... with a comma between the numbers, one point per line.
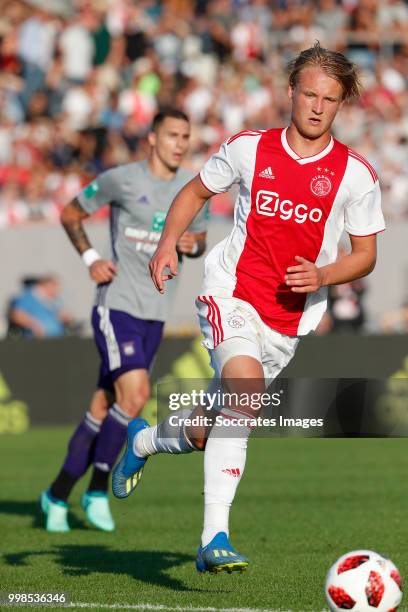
x=78, y=236
x=77, y=206
x=71, y=219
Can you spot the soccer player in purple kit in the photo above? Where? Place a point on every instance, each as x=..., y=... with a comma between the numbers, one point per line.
x=128, y=315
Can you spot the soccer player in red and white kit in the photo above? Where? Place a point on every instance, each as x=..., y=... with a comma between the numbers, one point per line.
x=265, y=285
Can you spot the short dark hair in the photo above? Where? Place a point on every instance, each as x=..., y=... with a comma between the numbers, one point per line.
x=333, y=63
x=174, y=113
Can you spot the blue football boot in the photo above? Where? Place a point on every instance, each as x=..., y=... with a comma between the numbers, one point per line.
x=219, y=556
x=128, y=472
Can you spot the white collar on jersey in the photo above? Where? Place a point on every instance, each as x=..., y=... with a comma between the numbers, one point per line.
x=304, y=160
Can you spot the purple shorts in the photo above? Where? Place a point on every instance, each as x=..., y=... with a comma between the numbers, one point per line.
x=124, y=343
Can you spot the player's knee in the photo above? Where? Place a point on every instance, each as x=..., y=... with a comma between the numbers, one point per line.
x=100, y=404
x=199, y=443
x=99, y=412
x=134, y=403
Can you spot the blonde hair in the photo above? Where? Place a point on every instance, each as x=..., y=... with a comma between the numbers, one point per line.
x=334, y=64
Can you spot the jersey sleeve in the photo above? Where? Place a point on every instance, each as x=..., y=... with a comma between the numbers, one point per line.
x=102, y=190
x=200, y=222
x=363, y=214
x=221, y=171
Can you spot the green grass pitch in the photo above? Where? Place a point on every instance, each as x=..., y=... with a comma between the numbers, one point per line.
x=301, y=504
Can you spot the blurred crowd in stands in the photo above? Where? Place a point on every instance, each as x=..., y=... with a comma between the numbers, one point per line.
x=80, y=83
x=37, y=310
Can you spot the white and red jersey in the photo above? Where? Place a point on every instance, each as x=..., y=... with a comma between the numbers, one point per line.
x=287, y=206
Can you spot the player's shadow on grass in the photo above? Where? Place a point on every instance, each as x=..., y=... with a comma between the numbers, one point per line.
x=32, y=508
x=147, y=566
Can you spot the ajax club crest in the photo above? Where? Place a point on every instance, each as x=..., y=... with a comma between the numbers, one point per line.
x=320, y=185
x=236, y=321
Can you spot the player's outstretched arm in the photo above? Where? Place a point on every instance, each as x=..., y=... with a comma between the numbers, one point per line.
x=184, y=208
x=307, y=277
x=72, y=217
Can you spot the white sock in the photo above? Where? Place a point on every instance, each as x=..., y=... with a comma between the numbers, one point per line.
x=224, y=463
x=164, y=437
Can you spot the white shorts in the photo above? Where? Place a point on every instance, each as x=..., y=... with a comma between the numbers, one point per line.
x=232, y=327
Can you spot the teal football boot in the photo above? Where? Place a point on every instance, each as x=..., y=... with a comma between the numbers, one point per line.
x=56, y=512
x=96, y=506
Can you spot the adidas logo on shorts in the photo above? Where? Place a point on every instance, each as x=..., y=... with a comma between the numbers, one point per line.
x=267, y=173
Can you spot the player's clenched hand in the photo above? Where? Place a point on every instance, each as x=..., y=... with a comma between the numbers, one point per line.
x=102, y=271
x=186, y=242
x=305, y=277
x=164, y=257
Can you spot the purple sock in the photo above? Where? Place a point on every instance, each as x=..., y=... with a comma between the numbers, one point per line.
x=79, y=457
x=80, y=449
x=111, y=438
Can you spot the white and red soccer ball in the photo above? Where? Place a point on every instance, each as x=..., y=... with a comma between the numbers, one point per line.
x=363, y=581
